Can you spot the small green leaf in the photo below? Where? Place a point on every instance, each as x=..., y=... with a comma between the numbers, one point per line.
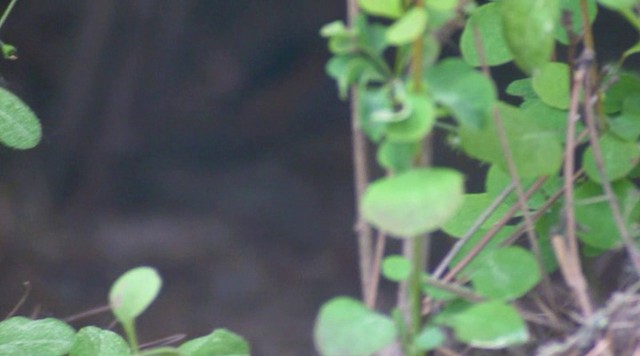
x=370, y=101
x=415, y=202
x=221, y=342
x=548, y=118
x=575, y=15
x=335, y=28
x=397, y=157
x=419, y=123
x=396, y=268
x=529, y=28
x=384, y=8
x=9, y=51
x=597, y=226
x=505, y=274
x=132, y=293
x=474, y=204
x=625, y=85
x=92, y=341
x=408, y=28
x=619, y=158
x=19, y=126
x=468, y=94
x=346, y=327
x=522, y=88
x=535, y=152
x=21, y=336
x=627, y=125
x=429, y=338
x=551, y=84
x=486, y=20
x=489, y=325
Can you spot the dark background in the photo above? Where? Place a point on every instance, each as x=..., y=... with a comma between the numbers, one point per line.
x=199, y=137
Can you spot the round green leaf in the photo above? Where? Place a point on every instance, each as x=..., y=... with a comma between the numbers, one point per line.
x=414, y=202
x=547, y=118
x=474, y=204
x=627, y=125
x=551, y=84
x=597, y=226
x=396, y=268
x=385, y=8
x=418, y=124
x=486, y=20
x=397, y=157
x=221, y=342
x=619, y=158
x=626, y=84
x=429, y=338
x=506, y=274
x=132, y=293
x=535, y=151
x=529, y=28
x=490, y=325
x=21, y=336
x=346, y=327
x=91, y=341
x=19, y=126
x=468, y=94
x=408, y=28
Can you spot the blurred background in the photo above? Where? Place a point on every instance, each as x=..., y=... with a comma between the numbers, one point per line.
x=199, y=137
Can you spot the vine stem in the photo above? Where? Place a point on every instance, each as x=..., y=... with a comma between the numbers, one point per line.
x=361, y=179
x=7, y=11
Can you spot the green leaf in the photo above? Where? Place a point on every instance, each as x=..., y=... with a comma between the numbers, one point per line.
x=535, y=152
x=335, y=28
x=627, y=84
x=474, y=204
x=371, y=36
x=486, y=19
x=493, y=244
x=396, y=268
x=9, y=51
x=429, y=338
x=575, y=15
x=415, y=202
x=21, y=336
x=468, y=94
x=132, y=293
x=19, y=126
x=489, y=325
x=619, y=158
x=373, y=100
x=419, y=123
x=548, y=118
x=397, y=157
x=631, y=51
x=522, y=88
x=618, y=4
x=529, y=28
x=408, y=28
x=551, y=84
x=346, y=327
x=627, y=125
x=505, y=274
x=347, y=70
x=597, y=226
x=92, y=341
x=221, y=342
x=384, y=8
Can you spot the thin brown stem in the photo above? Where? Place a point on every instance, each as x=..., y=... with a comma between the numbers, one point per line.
x=374, y=279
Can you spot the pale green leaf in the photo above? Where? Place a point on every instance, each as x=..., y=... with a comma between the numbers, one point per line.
x=551, y=83
x=488, y=24
x=133, y=292
x=408, y=28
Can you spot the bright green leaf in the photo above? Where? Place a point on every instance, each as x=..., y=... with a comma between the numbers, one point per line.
x=385, y=8
x=473, y=206
x=415, y=202
x=397, y=157
x=396, y=268
x=522, y=88
x=506, y=273
x=21, y=336
x=92, y=341
x=535, y=152
x=597, y=226
x=408, y=28
x=132, y=293
x=619, y=158
x=346, y=327
x=490, y=325
x=335, y=28
x=221, y=342
x=429, y=338
x=575, y=15
x=529, y=28
x=418, y=124
x=468, y=94
x=487, y=22
x=19, y=126
x=551, y=84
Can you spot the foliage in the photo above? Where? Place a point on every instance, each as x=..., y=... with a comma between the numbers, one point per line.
x=406, y=91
